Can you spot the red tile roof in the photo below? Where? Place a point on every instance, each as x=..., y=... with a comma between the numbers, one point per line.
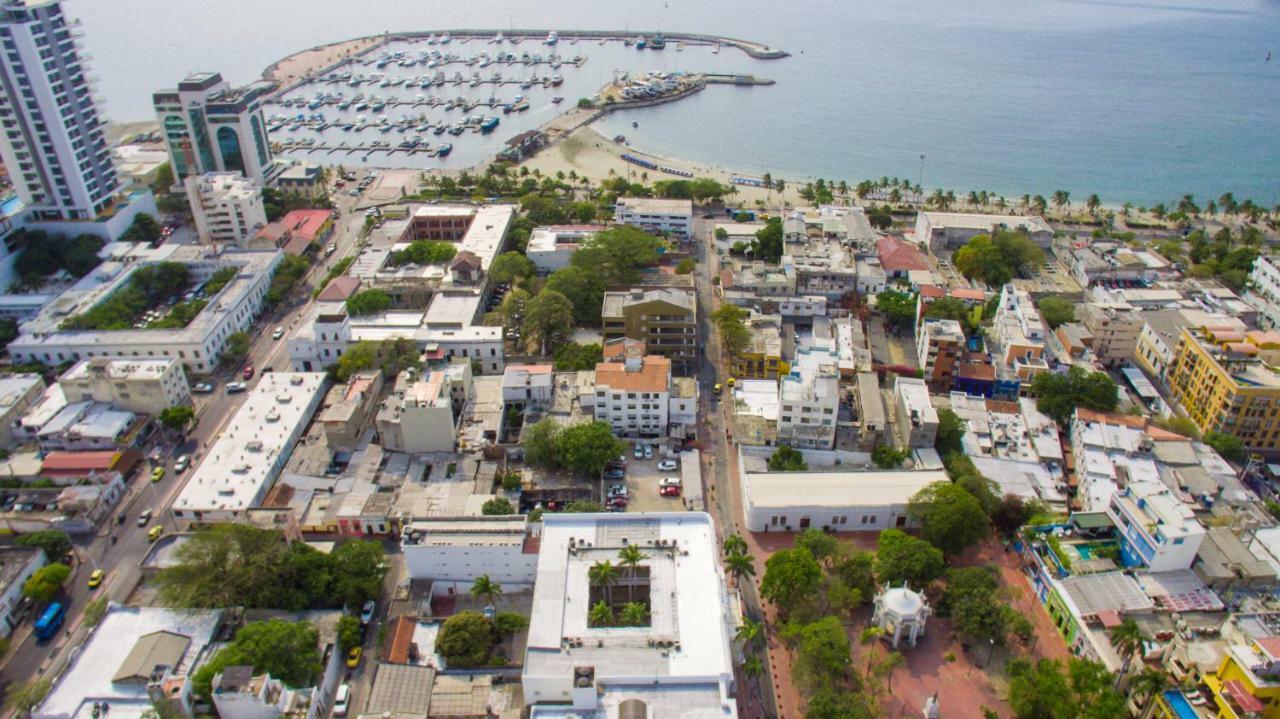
x=297, y=230
x=899, y=255
x=932, y=292
x=399, y=641
x=1270, y=645
x=339, y=289
x=975, y=370
x=64, y=462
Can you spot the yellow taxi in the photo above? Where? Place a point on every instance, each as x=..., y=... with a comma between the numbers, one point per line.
x=154, y=533
x=354, y=656
x=157, y=474
x=95, y=579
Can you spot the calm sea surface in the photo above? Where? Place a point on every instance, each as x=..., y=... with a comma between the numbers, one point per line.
x=1140, y=100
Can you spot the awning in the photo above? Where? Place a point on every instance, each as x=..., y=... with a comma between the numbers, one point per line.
x=1109, y=618
x=1247, y=702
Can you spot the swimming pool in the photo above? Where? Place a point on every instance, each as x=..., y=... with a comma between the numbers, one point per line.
x=1091, y=550
x=1179, y=704
x=10, y=205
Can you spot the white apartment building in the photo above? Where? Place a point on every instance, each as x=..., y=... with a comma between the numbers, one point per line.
x=634, y=395
x=809, y=399
x=528, y=384
x=197, y=346
x=452, y=552
x=210, y=126
x=1110, y=450
x=549, y=248
x=917, y=420
x=243, y=463
x=17, y=393
x=1018, y=333
x=1115, y=327
x=227, y=207
x=656, y=215
x=145, y=386
x=948, y=230
x=1156, y=529
x=52, y=142
x=422, y=415
x=679, y=664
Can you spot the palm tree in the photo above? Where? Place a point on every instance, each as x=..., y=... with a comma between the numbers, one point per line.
x=749, y=633
x=886, y=667
x=634, y=614
x=843, y=187
x=950, y=198
x=1158, y=211
x=486, y=589
x=1001, y=203
x=734, y=544
x=630, y=557
x=1039, y=205
x=767, y=180
x=752, y=666
x=778, y=185
x=1025, y=201
x=1127, y=639
x=1211, y=208
x=601, y=615
x=973, y=198
x=740, y=565
x=938, y=198
x=1061, y=199
x=1092, y=203
x=604, y=575
x=1228, y=204
x=1145, y=685
x=1187, y=205
x=1126, y=209
x=895, y=196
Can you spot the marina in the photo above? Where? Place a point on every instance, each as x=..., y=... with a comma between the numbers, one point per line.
x=392, y=105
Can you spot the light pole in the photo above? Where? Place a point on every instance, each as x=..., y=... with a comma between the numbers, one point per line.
x=921, y=173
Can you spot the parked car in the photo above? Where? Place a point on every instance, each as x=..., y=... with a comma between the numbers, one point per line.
x=617, y=490
x=202, y=387
x=616, y=502
x=615, y=474
x=367, y=611
x=181, y=463
x=670, y=482
x=354, y=656
x=619, y=463
x=278, y=333
x=155, y=533
x=671, y=491
x=668, y=465
x=95, y=579
x=144, y=517
x=234, y=387
x=332, y=248
x=639, y=453
x=247, y=372
x=648, y=452
x=157, y=474
x=340, y=699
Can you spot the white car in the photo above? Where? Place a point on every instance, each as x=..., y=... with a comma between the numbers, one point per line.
x=668, y=465
x=340, y=699
x=648, y=452
x=367, y=611
x=617, y=490
x=181, y=463
x=639, y=454
x=669, y=482
x=277, y=333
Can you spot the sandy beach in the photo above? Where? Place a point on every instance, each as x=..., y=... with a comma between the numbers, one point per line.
x=309, y=61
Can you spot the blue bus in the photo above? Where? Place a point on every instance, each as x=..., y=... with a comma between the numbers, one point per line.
x=50, y=621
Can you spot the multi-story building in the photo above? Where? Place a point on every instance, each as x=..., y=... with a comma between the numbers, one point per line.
x=17, y=564
x=52, y=141
x=422, y=414
x=634, y=395
x=656, y=215
x=234, y=308
x=226, y=206
x=665, y=319
x=549, y=248
x=17, y=393
x=948, y=230
x=821, y=267
x=346, y=419
x=1162, y=329
x=809, y=399
x=915, y=418
x=1226, y=383
x=452, y=552
x=143, y=386
x=1017, y=337
x=210, y=126
x=763, y=357
x=1115, y=328
x=526, y=384
x=939, y=347
x=1113, y=263
x=1156, y=529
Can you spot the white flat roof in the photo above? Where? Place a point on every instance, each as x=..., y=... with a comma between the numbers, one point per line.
x=485, y=235
x=247, y=456
x=135, y=368
x=457, y=309
x=88, y=679
x=783, y=490
x=976, y=221
x=688, y=602
x=14, y=387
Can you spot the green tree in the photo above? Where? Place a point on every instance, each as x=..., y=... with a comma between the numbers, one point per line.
x=144, y=228
x=634, y=614
x=54, y=542
x=1227, y=445
x=951, y=308
x=821, y=545
x=630, y=557
x=740, y=566
x=731, y=321
x=358, y=567
x=787, y=459
x=548, y=321
x=601, y=615
x=951, y=429
x=734, y=544
x=391, y=356
x=583, y=287
x=822, y=652
x=686, y=266
x=423, y=252
x=236, y=348
x=887, y=457
x=511, y=267
x=836, y=703
x=587, y=447
x=969, y=600
x=617, y=254
x=603, y=575
x=348, y=632
x=466, y=640
x=1012, y=514
x=1057, y=311
x=8, y=331
x=497, y=505
x=997, y=258
x=43, y=585
x=177, y=417
x=576, y=357
x=898, y=308
x=508, y=623
x=484, y=588
x=287, y=651
x=368, y=302
x=768, y=243
x=950, y=518
x=540, y=442
x=25, y=697
x=1058, y=395
x=1045, y=691
x=790, y=575
x=1129, y=642
x=901, y=557
x=749, y=634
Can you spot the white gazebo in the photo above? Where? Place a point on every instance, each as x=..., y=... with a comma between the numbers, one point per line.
x=901, y=613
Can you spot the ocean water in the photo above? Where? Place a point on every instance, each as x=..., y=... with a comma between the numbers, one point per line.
x=1138, y=100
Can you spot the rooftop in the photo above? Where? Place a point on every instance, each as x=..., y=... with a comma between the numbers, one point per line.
x=836, y=488
x=14, y=387
x=898, y=255
x=137, y=369
x=976, y=221
x=616, y=302
x=657, y=205
x=654, y=375
x=244, y=461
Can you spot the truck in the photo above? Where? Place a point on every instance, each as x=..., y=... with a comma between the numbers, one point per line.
x=50, y=621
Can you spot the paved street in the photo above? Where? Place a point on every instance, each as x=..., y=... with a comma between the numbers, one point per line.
x=26, y=658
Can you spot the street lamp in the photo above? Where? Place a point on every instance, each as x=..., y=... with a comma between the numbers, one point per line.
x=991, y=648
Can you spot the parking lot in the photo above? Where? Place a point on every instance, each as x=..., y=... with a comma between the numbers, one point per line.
x=643, y=478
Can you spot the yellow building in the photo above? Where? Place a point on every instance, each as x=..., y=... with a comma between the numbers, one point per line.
x=763, y=358
x=1247, y=683
x=1226, y=382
